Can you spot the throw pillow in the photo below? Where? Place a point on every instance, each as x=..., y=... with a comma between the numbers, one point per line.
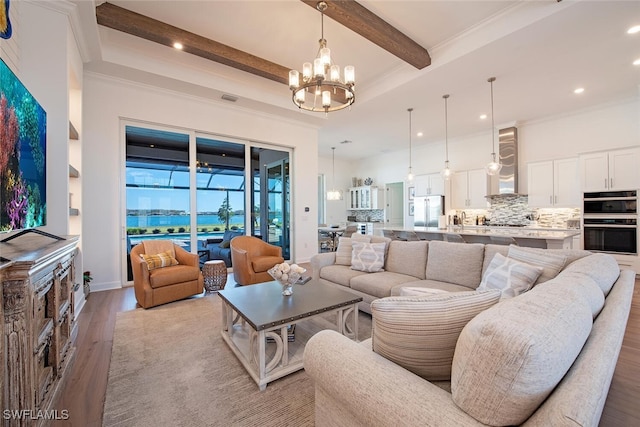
x=509, y=276
x=344, y=251
x=225, y=244
x=420, y=333
x=367, y=257
x=163, y=259
x=550, y=262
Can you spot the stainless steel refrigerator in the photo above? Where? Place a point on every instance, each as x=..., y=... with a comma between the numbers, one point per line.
x=427, y=210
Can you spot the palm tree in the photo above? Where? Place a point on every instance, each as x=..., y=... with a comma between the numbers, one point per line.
x=225, y=212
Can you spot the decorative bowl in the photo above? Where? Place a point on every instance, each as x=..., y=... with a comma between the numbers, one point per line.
x=287, y=275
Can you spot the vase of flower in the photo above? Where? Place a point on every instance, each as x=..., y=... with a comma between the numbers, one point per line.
x=287, y=275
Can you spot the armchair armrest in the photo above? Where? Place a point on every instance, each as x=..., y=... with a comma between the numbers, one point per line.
x=321, y=260
x=371, y=390
x=186, y=258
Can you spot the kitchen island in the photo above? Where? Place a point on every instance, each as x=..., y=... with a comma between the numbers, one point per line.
x=522, y=236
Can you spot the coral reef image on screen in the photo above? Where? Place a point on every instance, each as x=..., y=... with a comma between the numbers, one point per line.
x=23, y=142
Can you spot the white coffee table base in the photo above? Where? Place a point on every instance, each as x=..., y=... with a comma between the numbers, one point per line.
x=268, y=361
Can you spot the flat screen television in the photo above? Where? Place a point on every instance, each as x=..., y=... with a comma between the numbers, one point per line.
x=23, y=165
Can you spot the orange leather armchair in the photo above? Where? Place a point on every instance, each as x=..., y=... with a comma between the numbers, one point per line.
x=251, y=258
x=165, y=284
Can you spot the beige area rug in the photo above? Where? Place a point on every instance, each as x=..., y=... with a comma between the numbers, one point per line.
x=170, y=367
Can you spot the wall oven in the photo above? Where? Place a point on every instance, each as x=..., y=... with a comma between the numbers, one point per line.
x=610, y=222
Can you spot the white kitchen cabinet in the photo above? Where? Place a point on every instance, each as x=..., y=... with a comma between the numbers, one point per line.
x=469, y=189
x=428, y=185
x=554, y=183
x=610, y=170
x=366, y=197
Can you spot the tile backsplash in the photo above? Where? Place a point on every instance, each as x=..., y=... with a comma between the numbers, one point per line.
x=515, y=210
x=368, y=215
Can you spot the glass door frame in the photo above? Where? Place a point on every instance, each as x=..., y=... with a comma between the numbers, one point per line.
x=193, y=135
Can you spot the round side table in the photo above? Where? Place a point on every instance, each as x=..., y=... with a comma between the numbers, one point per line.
x=215, y=275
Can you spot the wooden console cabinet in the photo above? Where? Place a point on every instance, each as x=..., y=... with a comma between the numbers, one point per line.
x=38, y=325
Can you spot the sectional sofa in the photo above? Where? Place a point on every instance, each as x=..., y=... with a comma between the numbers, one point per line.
x=443, y=353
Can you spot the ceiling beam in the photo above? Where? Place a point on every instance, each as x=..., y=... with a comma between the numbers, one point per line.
x=361, y=20
x=124, y=20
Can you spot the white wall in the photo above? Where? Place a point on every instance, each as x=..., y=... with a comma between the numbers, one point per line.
x=106, y=101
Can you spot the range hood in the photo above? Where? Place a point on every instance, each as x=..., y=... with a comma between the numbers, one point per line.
x=506, y=184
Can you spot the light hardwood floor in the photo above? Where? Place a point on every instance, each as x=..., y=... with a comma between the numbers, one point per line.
x=84, y=390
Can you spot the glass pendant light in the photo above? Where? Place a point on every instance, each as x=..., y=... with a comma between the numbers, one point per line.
x=410, y=174
x=446, y=172
x=493, y=167
x=334, y=194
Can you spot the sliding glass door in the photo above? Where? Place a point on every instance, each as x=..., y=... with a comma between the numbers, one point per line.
x=191, y=188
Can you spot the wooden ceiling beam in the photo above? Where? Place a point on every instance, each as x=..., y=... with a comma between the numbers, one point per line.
x=361, y=20
x=124, y=20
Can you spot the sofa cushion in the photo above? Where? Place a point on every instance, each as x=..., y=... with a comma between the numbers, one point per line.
x=414, y=291
x=163, y=259
x=367, y=257
x=379, y=284
x=551, y=262
x=455, y=263
x=489, y=251
x=510, y=357
x=602, y=268
x=345, y=250
x=420, y=333
x=407, y=258
x=580, y=285
x=340, y=274
x=509, y=276
x=434, y=284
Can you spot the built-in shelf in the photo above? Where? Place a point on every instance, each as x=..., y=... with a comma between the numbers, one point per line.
x=74, y=212
x=73, y=133
x=73, y=172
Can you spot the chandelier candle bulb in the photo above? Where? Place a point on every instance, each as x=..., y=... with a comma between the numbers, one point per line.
x=349, y=74
x=300, y=98
x=306, y=71
x=325, y=55
x=335, y=73
x=318, y=68
x=294, y=79
x=326, y=98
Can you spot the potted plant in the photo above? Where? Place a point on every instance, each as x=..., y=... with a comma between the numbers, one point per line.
x=86, y=279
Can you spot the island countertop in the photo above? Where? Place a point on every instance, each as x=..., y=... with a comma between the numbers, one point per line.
x=524, y=236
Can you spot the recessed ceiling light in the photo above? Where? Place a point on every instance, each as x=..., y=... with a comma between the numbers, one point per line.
x=177, y=45
x=483, y=116
x=419, y=134
x=634, y=29
x=636, y=62
x=578, y=90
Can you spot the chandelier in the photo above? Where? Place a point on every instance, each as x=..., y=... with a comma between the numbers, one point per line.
x=322, y=89
x=493, y=167
x=446, y=172
x=334, y=194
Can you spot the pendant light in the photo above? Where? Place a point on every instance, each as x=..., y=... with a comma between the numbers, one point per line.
x=334, y=194
x=446, y=172
x=493, y=167
x=410, y=174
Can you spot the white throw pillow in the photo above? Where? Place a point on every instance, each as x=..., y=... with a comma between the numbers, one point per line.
x=420, y=333
x=344, y=251
x=367, y=257
x=509, y=276
x=550, y=262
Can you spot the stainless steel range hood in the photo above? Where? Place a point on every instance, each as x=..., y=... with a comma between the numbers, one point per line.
x=506, y=184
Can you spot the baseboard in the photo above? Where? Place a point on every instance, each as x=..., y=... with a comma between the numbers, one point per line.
x=105, y=286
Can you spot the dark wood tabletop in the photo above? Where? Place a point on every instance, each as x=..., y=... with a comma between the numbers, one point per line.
x=264, y=306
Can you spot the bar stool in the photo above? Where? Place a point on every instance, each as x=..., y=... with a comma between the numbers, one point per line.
x=503, y=240
x=215, y=275
x=454, y=237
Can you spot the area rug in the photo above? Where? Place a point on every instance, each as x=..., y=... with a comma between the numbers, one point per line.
x=170, y=366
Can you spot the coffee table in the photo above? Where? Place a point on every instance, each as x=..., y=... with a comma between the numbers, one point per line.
x=251, y=314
